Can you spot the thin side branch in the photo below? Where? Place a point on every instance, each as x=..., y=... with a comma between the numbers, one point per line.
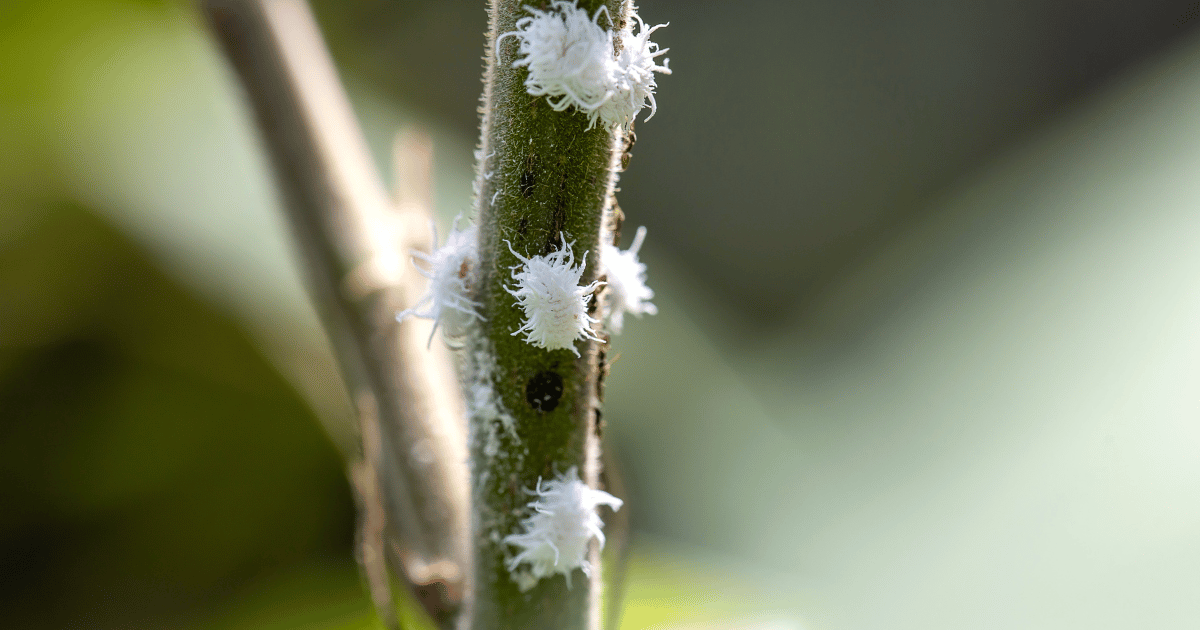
x=359, y=277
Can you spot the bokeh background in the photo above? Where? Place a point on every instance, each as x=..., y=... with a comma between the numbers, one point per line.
x=928, y=350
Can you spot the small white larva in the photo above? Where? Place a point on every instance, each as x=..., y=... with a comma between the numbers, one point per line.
x=626, y=275
x=556, y=535
x=571, y=58
x=555, y=305
x=632, y=77
x=449, y=268
x=568, y=54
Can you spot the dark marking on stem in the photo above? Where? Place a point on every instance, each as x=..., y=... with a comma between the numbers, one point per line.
x=558, y=214
x=544, y=390
x=602, y=371
x=601, y=374
x=554, y=240
x=618, y=219
x=627, y=151
x=529, y=176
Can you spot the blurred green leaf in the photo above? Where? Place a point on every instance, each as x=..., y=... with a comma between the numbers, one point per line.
x=151, y=459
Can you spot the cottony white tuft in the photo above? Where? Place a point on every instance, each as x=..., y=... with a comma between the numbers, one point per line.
x=627, y=291
x=554, y=303
x=449, y=270
x=568, y=56
x=572, y=58
x=633, y=75
x=563, y=522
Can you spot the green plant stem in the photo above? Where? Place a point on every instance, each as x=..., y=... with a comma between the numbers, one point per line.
x=544, y=177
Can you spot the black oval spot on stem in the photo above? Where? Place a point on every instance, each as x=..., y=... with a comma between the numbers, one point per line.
x=543, y=391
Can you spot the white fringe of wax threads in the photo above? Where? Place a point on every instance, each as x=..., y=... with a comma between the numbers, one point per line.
x=633, y=76
x=449, y=270
x=626, y=276
x=572, y=58
x=555, y=305
x=557, y=534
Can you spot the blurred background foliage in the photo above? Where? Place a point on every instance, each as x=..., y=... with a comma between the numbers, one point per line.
x=927, y=356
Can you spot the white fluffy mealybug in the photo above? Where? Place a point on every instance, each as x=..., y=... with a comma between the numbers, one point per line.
x=573, y=59
x=556, y=535
x=627, y=291
x=555, y=305
x=449, y=270
x=568, y=54
x=633, y=75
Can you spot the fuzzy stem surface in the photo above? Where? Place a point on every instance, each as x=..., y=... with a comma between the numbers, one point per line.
x=543, y=177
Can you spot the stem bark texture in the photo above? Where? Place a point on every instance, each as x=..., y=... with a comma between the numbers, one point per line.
x=543, y=178
x=414, y=484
